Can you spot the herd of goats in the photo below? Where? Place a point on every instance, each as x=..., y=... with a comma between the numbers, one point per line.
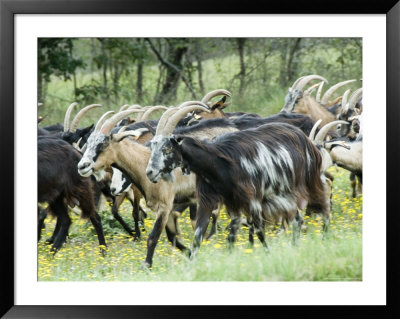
x=199, y=156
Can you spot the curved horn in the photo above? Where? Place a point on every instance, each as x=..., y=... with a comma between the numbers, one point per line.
x=68, y=115
x=314, y=129
x=304, y=81
x=345, y=105
x=296, y=82
x=215, y=93
x=354, y=97
x=164, y=118
x=312, y=88
x=146, y=114
x=78, y=117
x=318, y=96
x=332, y=89
x=319, y=139
x=140, y=115
x=134, y=106
x=102, y=120
x=111, y=122
x=123, y=107
x=182, y=111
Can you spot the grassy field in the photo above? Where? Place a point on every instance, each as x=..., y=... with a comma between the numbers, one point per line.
x=338, y=258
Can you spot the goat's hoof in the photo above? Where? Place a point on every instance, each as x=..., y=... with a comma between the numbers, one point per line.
x=146, y=267
x=53, y=252
x=189, y=253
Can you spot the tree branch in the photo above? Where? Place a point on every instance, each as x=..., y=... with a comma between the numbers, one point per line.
x=170, y=65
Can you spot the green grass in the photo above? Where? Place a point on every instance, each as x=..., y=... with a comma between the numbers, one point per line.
x=337, y=258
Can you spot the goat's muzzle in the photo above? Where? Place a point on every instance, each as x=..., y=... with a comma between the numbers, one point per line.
x=153, y=176
x=85, y=169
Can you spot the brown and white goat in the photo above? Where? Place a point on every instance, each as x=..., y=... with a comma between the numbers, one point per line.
x=298, y=101
x=120, y=150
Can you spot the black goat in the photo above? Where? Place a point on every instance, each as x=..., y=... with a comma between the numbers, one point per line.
x=268, y=173
x=60, y=185
x=301, y=121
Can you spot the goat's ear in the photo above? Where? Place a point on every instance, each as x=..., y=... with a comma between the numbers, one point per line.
x=84, y=130
x=122, y=133
x=331, y=144
x=219, y=104
x=176, y=140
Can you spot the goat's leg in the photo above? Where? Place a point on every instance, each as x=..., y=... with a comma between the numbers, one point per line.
x=180, y=208
x=117, y=201
x=326, y=220
x=353, y=183
x=202, y=221
x=137, y=195
x=214, y=216
x=60, y=209
x=359, y=177
x=296, y=224
x=172, y=231
x=55, y=232
x=235, y=223
x=192, y=214
x=86, y=203
x=259, y=226
x=251, y=231
x=42, y=214
x=96, y=222
x=154, y=236
x=134, y=199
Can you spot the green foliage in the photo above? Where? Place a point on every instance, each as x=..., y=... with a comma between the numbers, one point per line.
x=55, y=58
x=110, y=72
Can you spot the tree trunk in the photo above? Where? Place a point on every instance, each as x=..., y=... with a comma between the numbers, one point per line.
x=292, y=66
x=176, y=51
x=170, y=86
x=198, y=56
x=242, y=74
x=105, y=67
x=74, y=81
x=39, y=89
x=139, y=81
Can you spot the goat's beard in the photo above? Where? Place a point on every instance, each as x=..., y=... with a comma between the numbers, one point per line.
x=99, y=175
x=168, y=177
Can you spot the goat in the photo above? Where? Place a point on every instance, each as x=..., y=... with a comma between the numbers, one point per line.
x=60, y=185
x=215, y=109
x=301, y=121
x=352, y=113
x=121, y=184
x=77, y=137
x=298, y=102
x=349, y=156
x=125, y=153
x=243, y=122
x=267, y=172
x=70, y=131
x=348, y=113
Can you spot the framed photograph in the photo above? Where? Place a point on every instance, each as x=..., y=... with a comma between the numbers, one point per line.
x=117, y=53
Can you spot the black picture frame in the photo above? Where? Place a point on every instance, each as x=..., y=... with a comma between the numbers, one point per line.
x=8, y=10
